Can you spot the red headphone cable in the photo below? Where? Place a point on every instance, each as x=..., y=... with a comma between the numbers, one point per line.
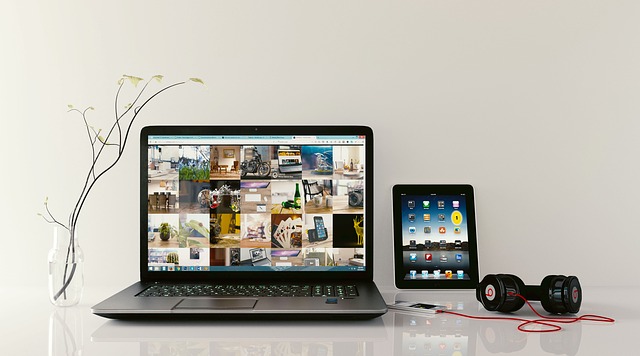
x=544, y=321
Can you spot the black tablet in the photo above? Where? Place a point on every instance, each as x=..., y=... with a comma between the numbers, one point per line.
x=435, y=245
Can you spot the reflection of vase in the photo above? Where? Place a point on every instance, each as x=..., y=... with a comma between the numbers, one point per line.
x=65, y=332
x=66, y=262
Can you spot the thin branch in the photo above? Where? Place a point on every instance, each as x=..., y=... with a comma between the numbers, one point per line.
x=118, y=123
x=77, y=207
x=80, y=204
x=143, y=105
x=67, y=281
x=53, y=219
x=115, y=101
x=133, y=103
x=92, y=176
x=91, y=140
x=84, y=192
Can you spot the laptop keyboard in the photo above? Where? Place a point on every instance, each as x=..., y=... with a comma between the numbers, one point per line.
x=206, y=290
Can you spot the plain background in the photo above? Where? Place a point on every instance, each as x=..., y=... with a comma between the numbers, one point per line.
x=535, y=103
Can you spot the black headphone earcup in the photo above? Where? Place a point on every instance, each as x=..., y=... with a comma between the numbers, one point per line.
x=497, y=292
x=560, y=294
x=518, y=288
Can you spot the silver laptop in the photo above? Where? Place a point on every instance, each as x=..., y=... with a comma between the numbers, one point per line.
x=265, y=222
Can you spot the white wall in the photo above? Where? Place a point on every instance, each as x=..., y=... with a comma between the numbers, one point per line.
x=535, y=103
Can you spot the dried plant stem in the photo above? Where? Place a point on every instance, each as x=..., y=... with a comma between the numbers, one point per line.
x=98, y=144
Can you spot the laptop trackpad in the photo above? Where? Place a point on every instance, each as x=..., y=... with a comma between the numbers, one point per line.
x=216, y=303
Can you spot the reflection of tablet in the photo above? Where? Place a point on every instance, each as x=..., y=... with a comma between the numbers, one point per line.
x=425, y=335
x=435, y=243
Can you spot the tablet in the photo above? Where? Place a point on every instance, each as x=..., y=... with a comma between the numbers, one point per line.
x=435, y=245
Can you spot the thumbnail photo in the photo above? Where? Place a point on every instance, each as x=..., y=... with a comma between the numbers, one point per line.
x=348, y=196
x=225, y=162
x=224, y=230
x=286, y=231
x=286, y=197
x=194, y=197
x=318, y=230
x=224, y=257
x=350, y=228
x=194, y=231
x=348, y=256
x=255, y=230
x=286, y=257
x=194, y=256
x=163, y=257
x=286, y=162
x=163, y=230
x=255, y=162
x=224, y=196
x=163, y=163
x=255, y=196
x=318, y=197
x=348, y=162
x=317, y=161
x=316, y=257
x=255, y=257
x=193, y=163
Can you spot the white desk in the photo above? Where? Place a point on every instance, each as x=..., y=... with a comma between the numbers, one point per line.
x=31, y=326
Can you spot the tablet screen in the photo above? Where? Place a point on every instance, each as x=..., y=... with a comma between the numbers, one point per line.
x=435, y=237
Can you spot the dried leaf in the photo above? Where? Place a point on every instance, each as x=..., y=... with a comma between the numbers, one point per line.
x=197, y=80
x=133, y=80
x=70, y=106
x=101, y=139
x=158, y=77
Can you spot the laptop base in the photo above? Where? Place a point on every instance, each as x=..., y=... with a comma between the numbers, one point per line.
x=126, y=306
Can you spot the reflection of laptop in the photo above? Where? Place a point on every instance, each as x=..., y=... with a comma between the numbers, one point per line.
x=204, y=169
x=232, y=337
x=259, y=257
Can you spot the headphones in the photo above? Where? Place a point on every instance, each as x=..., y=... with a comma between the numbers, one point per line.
x=558, y=294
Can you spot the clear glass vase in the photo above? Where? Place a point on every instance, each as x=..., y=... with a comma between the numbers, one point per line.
x=66, y=264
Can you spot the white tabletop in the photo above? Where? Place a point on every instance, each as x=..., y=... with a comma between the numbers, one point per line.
x=32, y=326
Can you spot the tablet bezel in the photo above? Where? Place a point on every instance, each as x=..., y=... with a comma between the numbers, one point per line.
x=439, y=189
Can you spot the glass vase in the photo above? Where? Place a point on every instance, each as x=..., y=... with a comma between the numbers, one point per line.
x=66, y=264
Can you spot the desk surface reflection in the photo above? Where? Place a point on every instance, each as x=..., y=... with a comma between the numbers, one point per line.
x=72, y=331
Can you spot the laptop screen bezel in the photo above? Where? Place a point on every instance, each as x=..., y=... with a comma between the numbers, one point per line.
x=247, y=276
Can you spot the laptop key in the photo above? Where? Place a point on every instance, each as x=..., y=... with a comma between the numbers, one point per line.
x=328, y=291
x=249, y=291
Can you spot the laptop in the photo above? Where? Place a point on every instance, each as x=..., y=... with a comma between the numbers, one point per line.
x=262, y=222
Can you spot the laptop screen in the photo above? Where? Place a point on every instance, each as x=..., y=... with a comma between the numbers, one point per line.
x=223, y=201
